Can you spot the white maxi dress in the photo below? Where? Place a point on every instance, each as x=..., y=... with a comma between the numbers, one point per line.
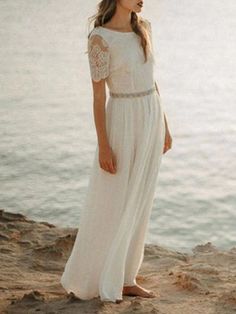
x=109, y=247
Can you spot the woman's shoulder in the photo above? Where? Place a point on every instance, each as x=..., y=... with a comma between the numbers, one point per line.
x=97, y=35
x=95, y=30
x=97, y=42
x=98, y=30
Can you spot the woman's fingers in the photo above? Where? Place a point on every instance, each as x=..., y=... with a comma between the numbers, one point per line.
x=103, y=165
x=114, y=163
x=107, y=159
x=168, y=142
x=109, y=166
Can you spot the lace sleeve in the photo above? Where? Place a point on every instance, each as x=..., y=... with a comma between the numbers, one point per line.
x=99, y=57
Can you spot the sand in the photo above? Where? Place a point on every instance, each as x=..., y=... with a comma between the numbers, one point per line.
x=33, y=255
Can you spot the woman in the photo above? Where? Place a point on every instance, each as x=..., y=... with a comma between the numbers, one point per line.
x=132, y=135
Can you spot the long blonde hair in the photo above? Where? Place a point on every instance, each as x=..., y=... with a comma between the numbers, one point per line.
x=105, y=11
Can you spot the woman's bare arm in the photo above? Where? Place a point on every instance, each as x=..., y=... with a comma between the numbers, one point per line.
x=99, y=101
x=106, y=157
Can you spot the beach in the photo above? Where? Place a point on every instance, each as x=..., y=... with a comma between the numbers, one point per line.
x=33, y=254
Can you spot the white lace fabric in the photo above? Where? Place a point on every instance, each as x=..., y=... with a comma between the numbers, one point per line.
x=118, y=57
x=98, y=53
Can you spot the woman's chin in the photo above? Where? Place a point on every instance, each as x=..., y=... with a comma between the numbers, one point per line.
x=138, y=10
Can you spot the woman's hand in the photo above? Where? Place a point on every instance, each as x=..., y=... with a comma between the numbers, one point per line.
x=107, y=159
x=168, y=141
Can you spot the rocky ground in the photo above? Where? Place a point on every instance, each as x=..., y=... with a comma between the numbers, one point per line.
x=33, y=255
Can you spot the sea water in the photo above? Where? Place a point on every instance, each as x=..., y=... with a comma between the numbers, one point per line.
x=47, y=131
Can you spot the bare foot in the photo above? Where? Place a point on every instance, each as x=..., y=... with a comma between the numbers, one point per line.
x=138, y=291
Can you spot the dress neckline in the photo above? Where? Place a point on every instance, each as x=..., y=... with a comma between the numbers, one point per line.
x=114, y=31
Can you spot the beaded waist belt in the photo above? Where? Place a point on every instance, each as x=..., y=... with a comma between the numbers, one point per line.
x=129, y=95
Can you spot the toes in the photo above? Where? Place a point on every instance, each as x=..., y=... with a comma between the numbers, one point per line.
x=153, y=295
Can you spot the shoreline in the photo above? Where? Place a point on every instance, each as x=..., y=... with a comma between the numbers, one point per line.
x=33, y=255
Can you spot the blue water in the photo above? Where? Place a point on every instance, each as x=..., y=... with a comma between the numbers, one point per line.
x=47, y=129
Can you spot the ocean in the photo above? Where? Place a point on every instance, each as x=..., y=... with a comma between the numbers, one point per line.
x=47, y=129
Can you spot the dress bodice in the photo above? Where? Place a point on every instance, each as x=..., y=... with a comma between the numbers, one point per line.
x=118, y=58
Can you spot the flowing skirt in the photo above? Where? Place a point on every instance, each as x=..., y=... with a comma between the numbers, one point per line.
x=109, y=246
